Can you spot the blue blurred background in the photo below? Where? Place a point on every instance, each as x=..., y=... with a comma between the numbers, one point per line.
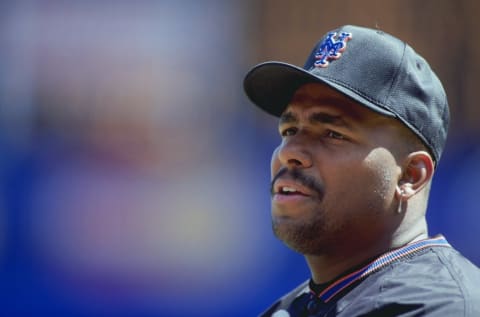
x=134, y=173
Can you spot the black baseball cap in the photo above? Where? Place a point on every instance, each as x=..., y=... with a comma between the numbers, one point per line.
x=371, y=67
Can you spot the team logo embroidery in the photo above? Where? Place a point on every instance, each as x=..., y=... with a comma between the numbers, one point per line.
x=331, y=48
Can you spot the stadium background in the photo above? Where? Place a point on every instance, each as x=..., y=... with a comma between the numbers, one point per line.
x=134, y=173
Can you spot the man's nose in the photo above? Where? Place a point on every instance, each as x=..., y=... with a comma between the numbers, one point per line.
x=294, y=153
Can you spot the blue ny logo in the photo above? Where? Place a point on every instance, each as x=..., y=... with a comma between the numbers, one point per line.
x=331, y=48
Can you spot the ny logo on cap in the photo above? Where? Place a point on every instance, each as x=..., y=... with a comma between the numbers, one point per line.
x=331, y=48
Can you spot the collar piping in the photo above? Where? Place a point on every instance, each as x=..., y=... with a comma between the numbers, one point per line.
x=379, y=263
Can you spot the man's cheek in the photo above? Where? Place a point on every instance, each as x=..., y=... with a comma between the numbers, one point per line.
x=275, y=163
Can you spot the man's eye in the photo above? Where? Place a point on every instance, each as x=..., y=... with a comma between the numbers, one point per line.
x=289, y=131
x=335, y=135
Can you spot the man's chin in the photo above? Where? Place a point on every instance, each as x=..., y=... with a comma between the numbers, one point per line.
x=300, y=237
x=293, y=236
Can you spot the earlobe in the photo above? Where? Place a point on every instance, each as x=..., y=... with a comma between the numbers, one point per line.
x=418, y=172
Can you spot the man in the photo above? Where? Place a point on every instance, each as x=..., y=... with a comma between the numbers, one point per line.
x=363, y=126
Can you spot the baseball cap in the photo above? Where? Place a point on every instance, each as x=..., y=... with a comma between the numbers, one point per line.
x=373, y=68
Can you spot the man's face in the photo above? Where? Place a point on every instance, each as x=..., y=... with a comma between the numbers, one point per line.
x=334, y=173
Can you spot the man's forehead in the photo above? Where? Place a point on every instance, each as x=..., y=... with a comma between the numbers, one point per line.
x=303, y=107
x=330, y=107
x=320, y=94
x=315, y=97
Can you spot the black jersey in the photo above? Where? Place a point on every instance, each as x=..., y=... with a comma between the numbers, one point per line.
x=424, y=278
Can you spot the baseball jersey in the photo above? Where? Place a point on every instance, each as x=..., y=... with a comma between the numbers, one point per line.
x=424, y=278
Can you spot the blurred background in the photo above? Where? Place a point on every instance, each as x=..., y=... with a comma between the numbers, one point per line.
x=134, y=173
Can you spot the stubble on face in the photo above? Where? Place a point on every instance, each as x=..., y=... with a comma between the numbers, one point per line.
x=305, y=235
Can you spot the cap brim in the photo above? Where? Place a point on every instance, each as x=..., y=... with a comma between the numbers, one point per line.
x=271, y=86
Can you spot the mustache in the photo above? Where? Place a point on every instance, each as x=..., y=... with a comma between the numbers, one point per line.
x=298, y=176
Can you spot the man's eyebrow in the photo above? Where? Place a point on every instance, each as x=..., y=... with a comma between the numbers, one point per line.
x=322, y=117
x=287, y=117
x=314, y=118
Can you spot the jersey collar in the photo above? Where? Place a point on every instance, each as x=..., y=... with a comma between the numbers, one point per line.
x=380, y=262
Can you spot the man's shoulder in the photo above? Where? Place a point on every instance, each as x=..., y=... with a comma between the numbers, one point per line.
x=455, y=273
x=285, y=301
x=459, y=266
x=439, y=280
x=439, y=264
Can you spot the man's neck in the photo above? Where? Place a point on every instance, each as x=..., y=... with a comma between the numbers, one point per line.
x=325, y=269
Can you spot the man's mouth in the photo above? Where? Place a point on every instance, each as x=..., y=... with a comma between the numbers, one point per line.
x=289, y=187
x=290, y=184
x=288, y=191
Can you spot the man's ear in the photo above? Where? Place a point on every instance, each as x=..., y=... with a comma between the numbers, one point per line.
x=417, y=173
